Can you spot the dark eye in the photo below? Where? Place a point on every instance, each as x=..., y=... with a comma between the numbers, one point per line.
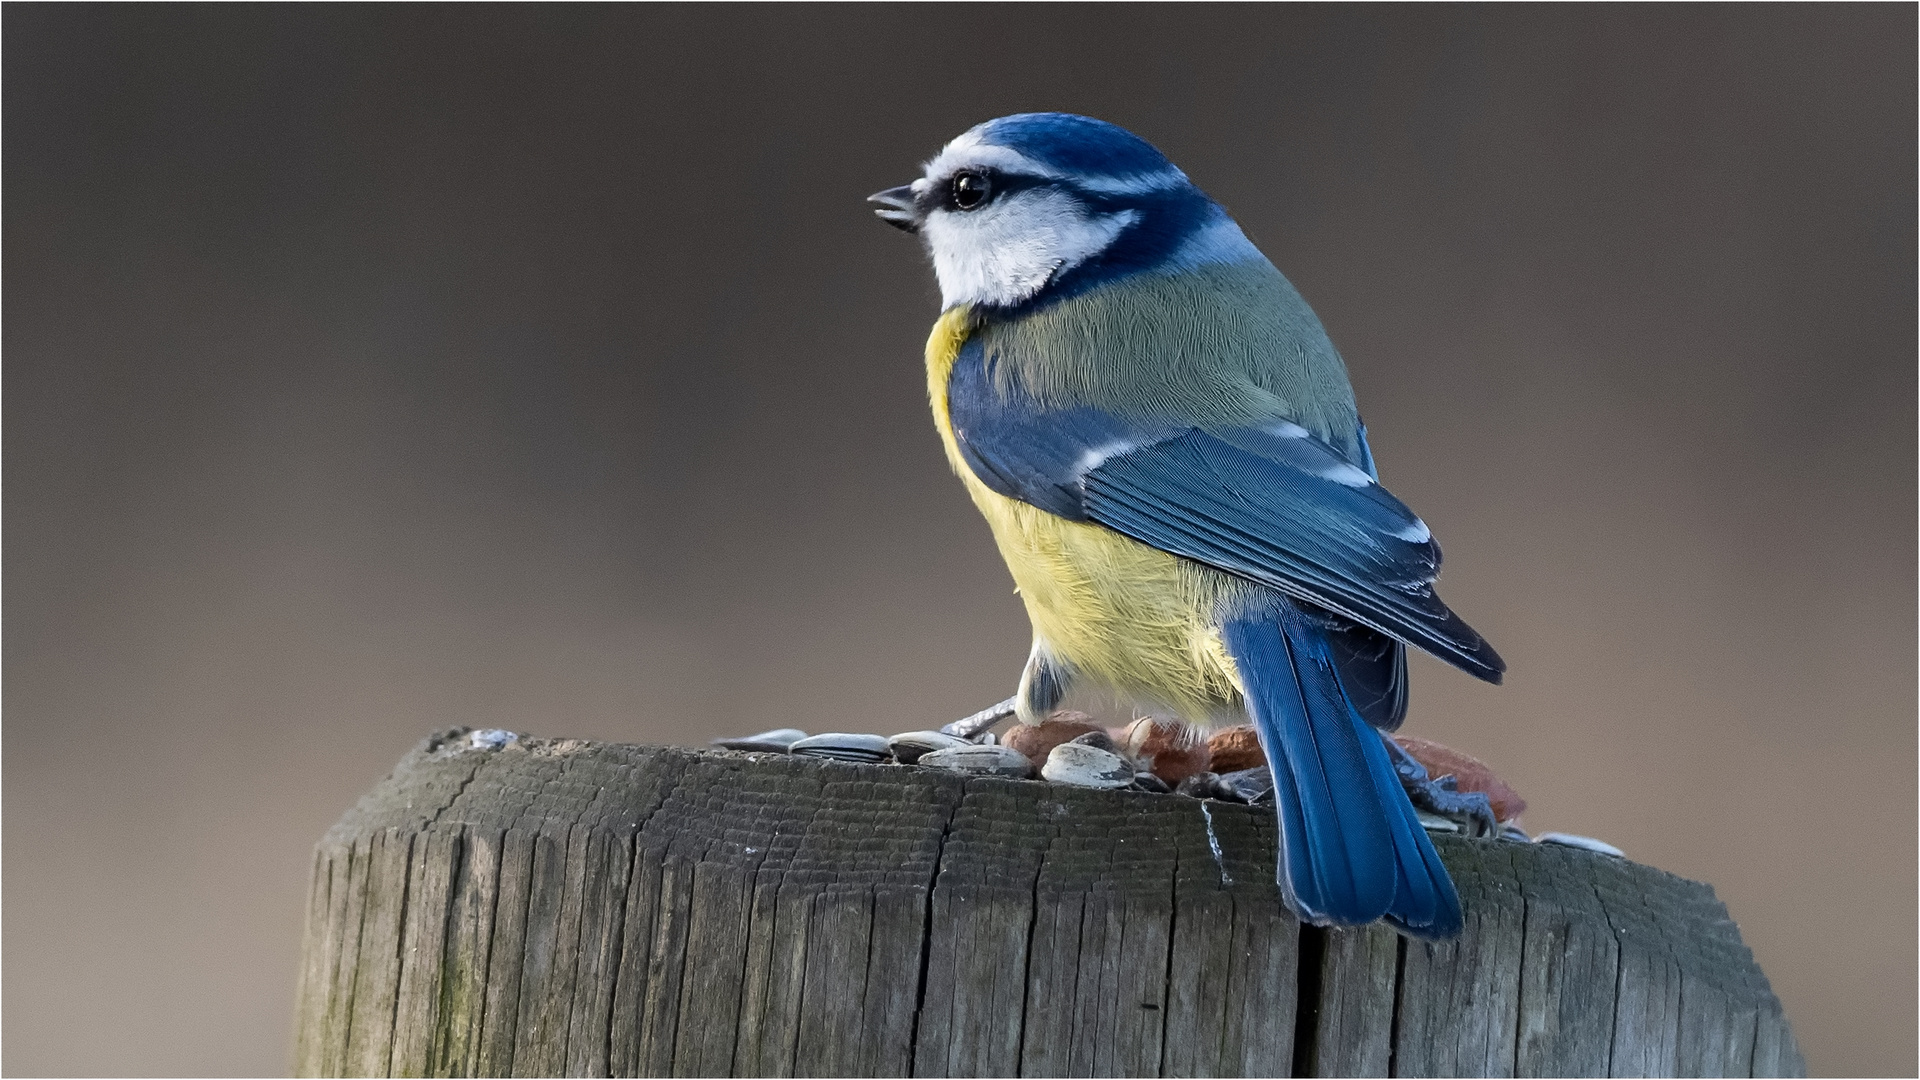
x=970, y=189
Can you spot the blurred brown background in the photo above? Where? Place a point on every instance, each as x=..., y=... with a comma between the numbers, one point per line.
x=371, y=370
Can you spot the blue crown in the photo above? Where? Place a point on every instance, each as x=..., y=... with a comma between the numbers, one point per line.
x=1077, y=145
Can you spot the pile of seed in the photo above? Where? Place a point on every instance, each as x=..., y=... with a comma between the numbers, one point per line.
x=1149, y=755
x=1067, y=749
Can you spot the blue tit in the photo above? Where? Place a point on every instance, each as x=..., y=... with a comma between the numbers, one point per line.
x=1165, y=444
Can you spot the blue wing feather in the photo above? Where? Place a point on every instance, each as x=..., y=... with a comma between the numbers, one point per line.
x=1274, y=505
x=1373, y=666
x=1373, y=670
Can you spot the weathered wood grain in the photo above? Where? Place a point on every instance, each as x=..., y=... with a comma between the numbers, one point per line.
x=500, y=1018
x=1567, y=951
x=423, y=951
x=602, y=908
x=638, y=926
x=974, y=997
x=1352, y=1031
x=566, y=908
x=376, y=981
x=552, y=943
x=308, y=1031
x=347, y=910
x=469, y=938
x=1775, y=1053
x=1234, y=971
x=1459, y=1001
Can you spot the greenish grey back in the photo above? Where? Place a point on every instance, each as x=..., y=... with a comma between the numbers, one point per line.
x=1224, y=345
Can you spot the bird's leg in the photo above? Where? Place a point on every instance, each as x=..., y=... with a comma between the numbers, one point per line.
x=972, y=727
x=1043, y=685
x=1470, y=808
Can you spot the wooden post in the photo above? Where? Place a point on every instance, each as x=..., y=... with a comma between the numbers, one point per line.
x=568, y=908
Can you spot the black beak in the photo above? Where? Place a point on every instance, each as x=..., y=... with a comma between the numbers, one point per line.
x=896, y=208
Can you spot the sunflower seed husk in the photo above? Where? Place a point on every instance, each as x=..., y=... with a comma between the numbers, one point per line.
x=980, y=760
x=771, y=742
x=1084, y=765
x=844, y=746
x=1585, y=843
x=910, y=746
x=1146, y=781
x=1247, y=785
x=1099, y=740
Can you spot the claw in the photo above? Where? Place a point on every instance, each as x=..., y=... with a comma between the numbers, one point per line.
x=1442, y=797
x=1471, y=809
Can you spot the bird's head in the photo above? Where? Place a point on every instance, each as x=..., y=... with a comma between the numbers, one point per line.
x=1037, y=205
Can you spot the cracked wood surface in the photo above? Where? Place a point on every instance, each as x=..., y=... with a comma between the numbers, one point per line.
x=557, y=907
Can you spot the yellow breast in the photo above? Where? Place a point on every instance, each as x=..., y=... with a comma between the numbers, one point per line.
x=1124, y=614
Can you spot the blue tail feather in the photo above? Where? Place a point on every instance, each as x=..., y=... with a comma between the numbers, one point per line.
x=1352, y=850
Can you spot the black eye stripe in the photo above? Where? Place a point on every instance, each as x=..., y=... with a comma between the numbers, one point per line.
x=1001, y=185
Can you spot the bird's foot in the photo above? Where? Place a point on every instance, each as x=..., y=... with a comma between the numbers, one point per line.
x=1469, y=809
x=973, y=727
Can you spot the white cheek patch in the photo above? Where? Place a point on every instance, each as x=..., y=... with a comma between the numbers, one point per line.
x=1006, y=251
